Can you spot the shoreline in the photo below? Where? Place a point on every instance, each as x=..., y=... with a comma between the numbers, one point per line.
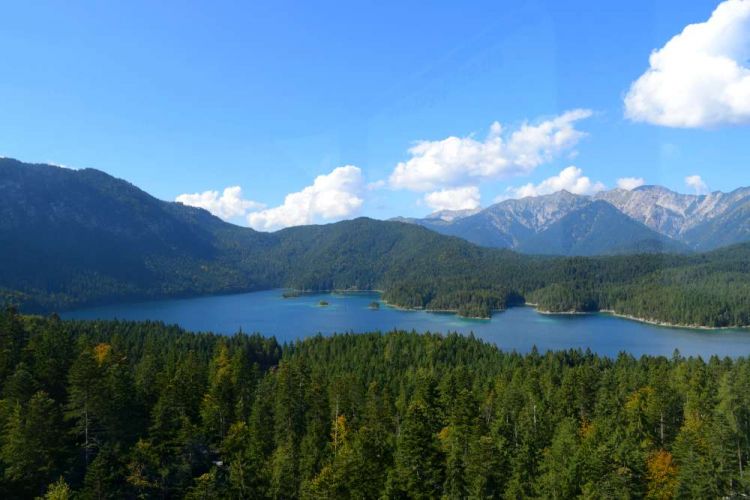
x=533, y=305
x=439, y=311
x=654, y=322
x=324, y=292
x=608, y=312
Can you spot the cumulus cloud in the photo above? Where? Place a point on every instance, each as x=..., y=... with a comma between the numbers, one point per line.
x=570, y=179
x=630, y=183
x=457, y=161
x=463, y=198
x=696, y=183
x=333, y=196
x=700, y=78
x=226, y=205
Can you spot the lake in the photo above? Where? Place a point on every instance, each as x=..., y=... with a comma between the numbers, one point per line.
x=516, y=329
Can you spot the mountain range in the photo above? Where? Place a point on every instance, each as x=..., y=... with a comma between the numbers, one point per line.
x=645, y=219
x=70, y=238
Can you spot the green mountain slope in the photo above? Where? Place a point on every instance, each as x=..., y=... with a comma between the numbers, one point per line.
x=68, y=234
x=73, y=237
x=69, y=238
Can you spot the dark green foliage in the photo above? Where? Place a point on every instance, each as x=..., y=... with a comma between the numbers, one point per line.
x=147, y=410
x=69, y=238
x=32, y=445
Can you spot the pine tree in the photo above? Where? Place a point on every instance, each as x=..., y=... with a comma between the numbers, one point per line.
x=86, y=400
x=58, y=490
x=13, y=338
x=456, y=439
x=217, y=408
x=418, y=470
x=32, y=444
x=106, y=475
x=560, y=471
x=53, y=351
x=20, y=386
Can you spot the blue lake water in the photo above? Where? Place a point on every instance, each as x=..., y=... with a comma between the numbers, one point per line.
x=517, y=329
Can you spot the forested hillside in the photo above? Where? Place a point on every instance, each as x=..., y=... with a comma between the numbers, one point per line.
x=80, y=236
x=71, y=238
x=142, y=410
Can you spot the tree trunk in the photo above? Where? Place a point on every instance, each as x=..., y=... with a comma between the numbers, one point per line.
x=661, y=428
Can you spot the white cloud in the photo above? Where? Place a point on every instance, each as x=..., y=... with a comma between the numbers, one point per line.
x=697, y=184
x=700, y=77
x=59, y=165
x=463, y=198
x=630, y=183
x=570, y=179
x=456, y=161
x=373, y=186
x=336, y=195
x=226, y=205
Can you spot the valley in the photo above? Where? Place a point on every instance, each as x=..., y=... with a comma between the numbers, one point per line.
x=375, y=250
x=61, y=250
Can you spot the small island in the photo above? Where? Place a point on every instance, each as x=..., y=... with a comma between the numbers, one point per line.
x=374, y=305
x=323, y=303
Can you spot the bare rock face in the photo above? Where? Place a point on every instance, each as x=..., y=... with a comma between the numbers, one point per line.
x=671, y=213
x=678, y=220
x=536, y=213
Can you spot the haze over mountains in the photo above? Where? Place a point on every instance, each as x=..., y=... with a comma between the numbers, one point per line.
x=648, y=218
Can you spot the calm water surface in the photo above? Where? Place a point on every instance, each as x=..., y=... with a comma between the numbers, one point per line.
x=517, y=329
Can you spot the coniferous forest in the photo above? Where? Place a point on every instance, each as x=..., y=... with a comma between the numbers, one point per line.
x=93, y=239
x=504, y=249
x=142, y=410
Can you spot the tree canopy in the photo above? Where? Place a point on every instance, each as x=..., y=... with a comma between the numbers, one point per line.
x=112, y=409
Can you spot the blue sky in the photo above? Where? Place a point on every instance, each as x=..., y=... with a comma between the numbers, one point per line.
x=181, y=97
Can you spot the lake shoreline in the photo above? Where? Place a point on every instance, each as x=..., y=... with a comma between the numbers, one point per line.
x=611, y=312
x=535, y=306
x=440, y=311
x=388, y=304
x=654, y=322
x=608, y=312
x=520, y=328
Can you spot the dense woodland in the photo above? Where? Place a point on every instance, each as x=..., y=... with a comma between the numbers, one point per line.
x=72, y=238
x=710, y=289
x=417, y=268
x=136, y=410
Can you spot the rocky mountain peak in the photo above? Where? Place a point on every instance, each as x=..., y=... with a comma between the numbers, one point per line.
x=685, y=218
